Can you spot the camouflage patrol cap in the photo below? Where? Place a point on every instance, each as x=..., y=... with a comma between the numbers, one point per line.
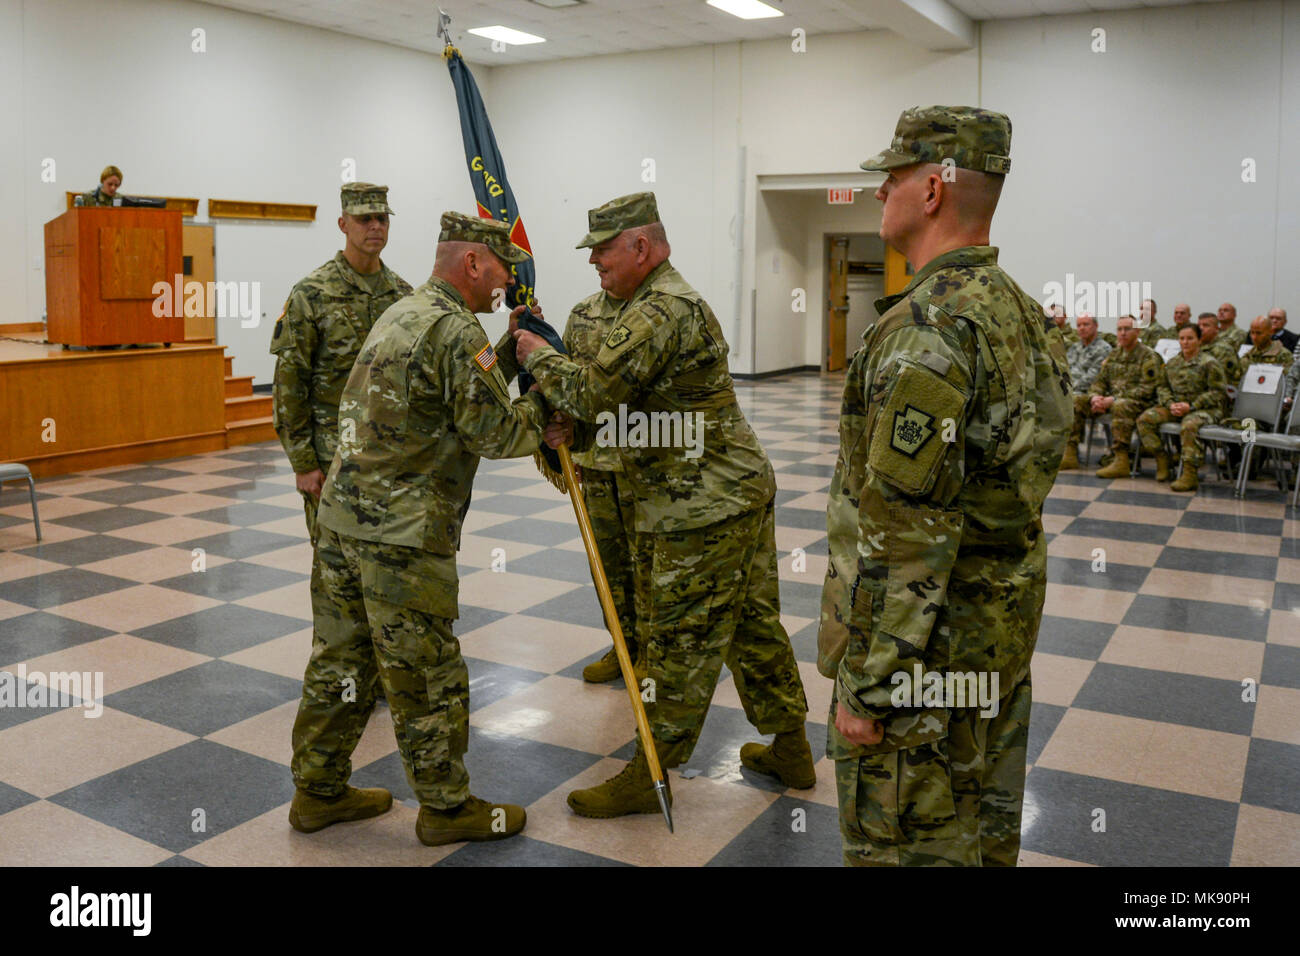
x=458, y=227
x=626, y=212
x=359, y=199
x=972, y=138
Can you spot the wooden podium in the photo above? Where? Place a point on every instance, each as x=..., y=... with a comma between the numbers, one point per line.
x=101, y=264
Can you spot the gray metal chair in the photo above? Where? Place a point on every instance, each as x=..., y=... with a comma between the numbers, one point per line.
x=1100, y=423
x=1264, y=407
x=16, y=472
x=1280, y=443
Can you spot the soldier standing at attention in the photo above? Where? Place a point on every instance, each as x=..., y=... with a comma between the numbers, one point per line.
x=1125, y=388
x=319, y=333
x=426, y=399
x=954, y=417
x=1192, y=392
x=102, y=195
x=604, y=488
x=704, y=555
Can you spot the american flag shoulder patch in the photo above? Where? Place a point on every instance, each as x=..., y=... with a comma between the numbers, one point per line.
x=486, y=358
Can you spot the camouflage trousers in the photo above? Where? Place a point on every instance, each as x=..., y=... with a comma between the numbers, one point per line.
x=955, y=801
x=1124, y=415
x=309, y=505
x=1193, y=452
x=383, y=613
x=706, y=596
x=611, y=510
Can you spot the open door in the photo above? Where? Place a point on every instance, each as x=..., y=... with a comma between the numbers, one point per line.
x=898, y=271
x=837, y=273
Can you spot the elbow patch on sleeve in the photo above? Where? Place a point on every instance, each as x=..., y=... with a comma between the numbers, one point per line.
x=915, y=428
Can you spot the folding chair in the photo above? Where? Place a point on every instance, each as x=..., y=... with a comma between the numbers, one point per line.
x=1259, y=396
x=1101, y=422
x=17, y=472
x=1280, y=444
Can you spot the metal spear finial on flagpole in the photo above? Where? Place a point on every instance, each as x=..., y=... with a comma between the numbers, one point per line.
x=444, y=31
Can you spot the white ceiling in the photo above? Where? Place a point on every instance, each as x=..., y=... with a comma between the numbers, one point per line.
x=619, y=26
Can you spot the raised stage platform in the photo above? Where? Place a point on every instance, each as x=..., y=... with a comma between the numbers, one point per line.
x=69, y=410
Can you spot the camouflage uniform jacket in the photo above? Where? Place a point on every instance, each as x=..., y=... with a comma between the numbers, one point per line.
x=1236, y=335
x=1225, y=353
x=1274, y=354
x=956, y=411
x=1170, y=333
x=1069, y=333
x=1199, y=383
x=1134, y=374
x=1085, y=362
x=666, y=355
x=1153, y=333
x=426, y=399
x=589, y=324
x=1293, y=374
x=96, y=197
x=315, y=342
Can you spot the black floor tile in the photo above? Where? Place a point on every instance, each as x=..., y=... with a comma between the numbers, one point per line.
x=85, y=550
x=11, y=798
x=1078, y=572
x=804, y=468
x=529, y=530
x=128, y=494
x=1071, y=637
x=1281, y=667
x=1272, y=776
x=801, y=600
x=1185, y=699
x=522, y=850
x=556, y=564
x=36, y=634
x=472, y=618
x=490, y=682
x=61, y=587
x=1143, y=826
x=246, y=514
x=1241, y=524
x=1043, y=720
x=145, y=473
x=203, y=699
x=221, y=630
x=1286, y=599
x=1196, y=617
x=1218, y=562
x=1145, y=499
x=1118, y=530
x=108, y=519
x=179, y=860
x=1063, y=506
x=520, y=506
x=157, y=799
x=808, y=519
x=791, y=832
x=568, y=609
x=244, y=543
x=233, y=581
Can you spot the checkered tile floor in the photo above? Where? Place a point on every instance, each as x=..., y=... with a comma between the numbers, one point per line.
x=1138, y=678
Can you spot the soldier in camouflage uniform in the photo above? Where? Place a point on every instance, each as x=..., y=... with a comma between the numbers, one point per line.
x=110, y=180
x=704, y=554
x=1192, y=392
x=1154, y=331
x=955, y=414
x=1182, y=315
x=1216, y=346
x=1068, y=334
x=426, y=398
x=1087, y=354
x=610, y=504
x=1228, y=329
x=1124, y=388
x=318, y=335
x=1266, y=350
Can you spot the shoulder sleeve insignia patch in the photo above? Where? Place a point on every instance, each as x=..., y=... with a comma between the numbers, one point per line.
x=486, y=358
x=618, y=336
x=912, y=429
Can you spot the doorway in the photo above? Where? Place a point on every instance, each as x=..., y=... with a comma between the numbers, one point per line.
x=855, y=278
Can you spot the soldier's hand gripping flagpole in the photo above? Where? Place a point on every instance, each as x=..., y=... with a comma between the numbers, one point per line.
x=616, y=632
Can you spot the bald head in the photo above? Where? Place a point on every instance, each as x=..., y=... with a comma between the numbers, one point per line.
x=1261, y=331
x=473, y=270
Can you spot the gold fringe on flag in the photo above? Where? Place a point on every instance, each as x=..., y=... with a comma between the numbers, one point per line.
x=549, y=473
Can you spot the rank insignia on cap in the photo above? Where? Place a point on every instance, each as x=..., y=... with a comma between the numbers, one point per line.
x=486, y=358
x=618, y=336
x=912, y=429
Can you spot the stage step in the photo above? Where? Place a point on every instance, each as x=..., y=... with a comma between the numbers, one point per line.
x=245, y=407
x=230, y=365
x=250, y=431
x=239, y=385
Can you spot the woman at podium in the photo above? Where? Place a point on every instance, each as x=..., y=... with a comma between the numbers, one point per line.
x=102, y=195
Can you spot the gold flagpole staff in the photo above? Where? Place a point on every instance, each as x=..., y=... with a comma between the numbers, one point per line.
x=616, y=632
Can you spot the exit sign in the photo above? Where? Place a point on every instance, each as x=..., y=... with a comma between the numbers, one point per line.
x=840, y=197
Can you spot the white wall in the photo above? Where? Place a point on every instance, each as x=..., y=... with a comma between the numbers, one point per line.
x=1126, y=164
x=269, y=112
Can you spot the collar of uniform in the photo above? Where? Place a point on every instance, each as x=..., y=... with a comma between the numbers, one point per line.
x=354, y=277
x=442, y=285
x=649, y=280
x=965, y=256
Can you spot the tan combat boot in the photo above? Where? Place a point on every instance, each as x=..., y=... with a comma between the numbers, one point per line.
x=309, y=813
x=606, y=669
x=1070, y=460
x=1119, y=468
x=1162, y=466
x=1187, y=480
x=629, y=791
x=474, y=819
x=788, y=758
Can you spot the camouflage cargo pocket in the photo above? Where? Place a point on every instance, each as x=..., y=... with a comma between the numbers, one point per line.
x=409, y=577
x=895, y=798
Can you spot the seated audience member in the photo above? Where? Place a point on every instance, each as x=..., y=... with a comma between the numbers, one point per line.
x=1267, y=350
x=1289, y=340
x=1182, y=315
x=1227, y=316
x=1218, y=348
x=1152, y=331
x=1124, y=387
x=1057, y=315
x=1192, y=392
